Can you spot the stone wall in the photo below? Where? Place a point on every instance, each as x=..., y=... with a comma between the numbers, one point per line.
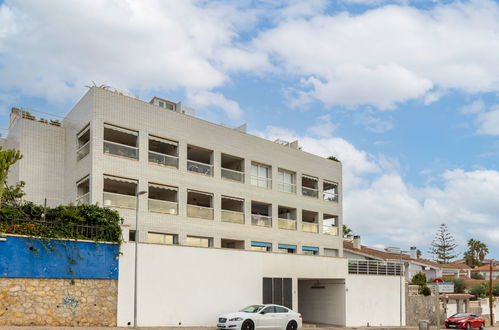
x=58, y=302
x=422, y=308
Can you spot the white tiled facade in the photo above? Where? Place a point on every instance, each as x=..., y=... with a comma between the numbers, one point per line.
x=51, y=171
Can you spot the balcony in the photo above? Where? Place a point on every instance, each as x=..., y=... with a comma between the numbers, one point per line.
x=84, y=199
x=160, y=206
x=232, y=168
x=330, y=191
x=163, y=152
x=199, y=167
x=309, y=227
x=83, y=151
x=83, y=143
x=330, y=230
x=120, y=142
x=119, y=200
x=261, y=220
x=200, y=212
x=83, y=191
x=286, y=224
x=309, y=192
x=232, y=216
x=199, y=160
x=310, y=186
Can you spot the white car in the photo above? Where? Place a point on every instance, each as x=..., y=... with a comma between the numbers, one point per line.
x=261, y=317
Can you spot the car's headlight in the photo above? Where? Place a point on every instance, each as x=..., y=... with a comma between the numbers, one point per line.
x=463, y=321
x=236, y=319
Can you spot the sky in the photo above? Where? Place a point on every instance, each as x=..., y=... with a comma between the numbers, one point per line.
x=405, y=93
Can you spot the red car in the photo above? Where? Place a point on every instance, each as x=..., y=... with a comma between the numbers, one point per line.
x=465, y=320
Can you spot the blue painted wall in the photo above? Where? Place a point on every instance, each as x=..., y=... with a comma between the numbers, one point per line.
x=25, y=257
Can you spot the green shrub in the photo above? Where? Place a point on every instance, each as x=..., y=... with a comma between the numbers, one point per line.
x=477, y=276
x=424, y=290
x=419, y=279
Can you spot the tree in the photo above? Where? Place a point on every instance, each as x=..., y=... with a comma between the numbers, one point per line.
x=477, y=276
x=419, y=254
x=443, y=246
x=476, y=253
x=7, y=158
x=347, y=231
x=334, y=158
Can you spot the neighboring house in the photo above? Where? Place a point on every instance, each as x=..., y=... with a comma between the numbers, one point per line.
x=485, y=271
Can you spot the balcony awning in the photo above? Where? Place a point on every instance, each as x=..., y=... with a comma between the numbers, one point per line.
x=86, y=178
x=122, y=130
x=158, y=139
x=83, y=131
x=261, y=244
x=160, y=186
x=287, y=246
x=233, y=198
x=115, y=178
x=199, y=192
x=309, y=177
x=309, y=248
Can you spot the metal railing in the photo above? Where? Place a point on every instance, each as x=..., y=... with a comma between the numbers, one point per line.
x=232, y=216
x=286, y=224
x=261, y=182
x=161, y=206
x=374, y=267
x=201, y=212
x=310, y=192
x=119, y=200
x=261, y=220
x=83, y=199
x=332, y=197
x=83, y=151
x=309, y=227
x=163, y=159
x=286, y=187
x=198, y=167
x=118, y=149
x=330, y=230
x=232, y=175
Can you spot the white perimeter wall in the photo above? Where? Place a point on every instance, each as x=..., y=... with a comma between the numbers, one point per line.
x=314, y=301
x=374, y=299
x=192, y=286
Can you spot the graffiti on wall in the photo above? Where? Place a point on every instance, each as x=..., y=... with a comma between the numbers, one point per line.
x=71, y=304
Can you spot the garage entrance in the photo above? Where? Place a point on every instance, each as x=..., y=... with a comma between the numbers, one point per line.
x=322, y=301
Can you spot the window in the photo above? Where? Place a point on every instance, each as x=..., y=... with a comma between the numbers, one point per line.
x=330, y=252
x=83, y=191
x=198, y=241
x=279, y=309
x=83, y=143
x=330, y=191
x=199, y=205
x=162, y=199
x=261, y=246
x=232, y=244
x=287, y=181
x=286, y=218
x=261, y=175
x=120, y=141
x=232, y=209
x=159, y=238
x=287, y=248
x=270, y=309
x=232, y=168
x=163, y=152
x=261, y=214
x=119, y=192
x=131, y=235
x=200, y=160
x=309, y=186
x=310, y=221
x=310, y=250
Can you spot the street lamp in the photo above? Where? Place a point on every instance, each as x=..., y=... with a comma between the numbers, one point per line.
x=142, y=192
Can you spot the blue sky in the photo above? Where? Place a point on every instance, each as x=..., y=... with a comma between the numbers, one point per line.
x=404, y=93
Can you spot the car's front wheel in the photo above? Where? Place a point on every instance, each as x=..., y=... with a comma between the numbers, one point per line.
x=248, y=325
x=482, y=325
x=292, y=325
x=468, y=326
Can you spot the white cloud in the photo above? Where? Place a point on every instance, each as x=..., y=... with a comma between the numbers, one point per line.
x=208, y=99
x=373, y=123
x=488, y=122
x=323, y=128
x=475, y=107
x=391, y=54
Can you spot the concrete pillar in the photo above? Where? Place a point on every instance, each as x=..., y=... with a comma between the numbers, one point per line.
x=294, y=290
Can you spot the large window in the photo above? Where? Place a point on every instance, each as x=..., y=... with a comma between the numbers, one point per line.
x=159, y=238
x=83, y=143
x=163, y=152
x=163, y=199
x=287, y=181
x=119, y=192
x=120, y=141
x=261, y=175
x=199, y=241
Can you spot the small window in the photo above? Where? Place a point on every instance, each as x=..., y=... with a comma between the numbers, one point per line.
x=310, y=250
x=279, y=309
x=199, y=241
x=159, y=238
x=131, y=235
x=261, y=246
x=287, y=248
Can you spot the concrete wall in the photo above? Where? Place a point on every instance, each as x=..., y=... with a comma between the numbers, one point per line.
x=374, y=300
x=422, y=308
x=190, y=286
x=319, y=301
x=57, y=302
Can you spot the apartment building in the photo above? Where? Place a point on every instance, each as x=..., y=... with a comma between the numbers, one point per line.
x=226, y=219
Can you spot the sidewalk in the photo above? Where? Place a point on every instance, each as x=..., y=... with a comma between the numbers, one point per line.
x=496, y=327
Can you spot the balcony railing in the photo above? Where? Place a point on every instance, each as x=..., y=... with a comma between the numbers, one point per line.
x=161, y=206
x=373, y=267
x=261, y=220
x=332, y=197
x=201, y=212
x=330, y=230
x=286, y=224
x=119, y=149
x=232, y=216
x=198, y=167
x=232, y=175
x=286, y=187
x=309, y=227
x=83, y=151
x=163, y=159
x=119, y=200
x=261, y=182
x=83, y=199
x=310, y=192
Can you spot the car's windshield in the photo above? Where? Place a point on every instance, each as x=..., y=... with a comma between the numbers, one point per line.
x=460, y=315
x=252, y=309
